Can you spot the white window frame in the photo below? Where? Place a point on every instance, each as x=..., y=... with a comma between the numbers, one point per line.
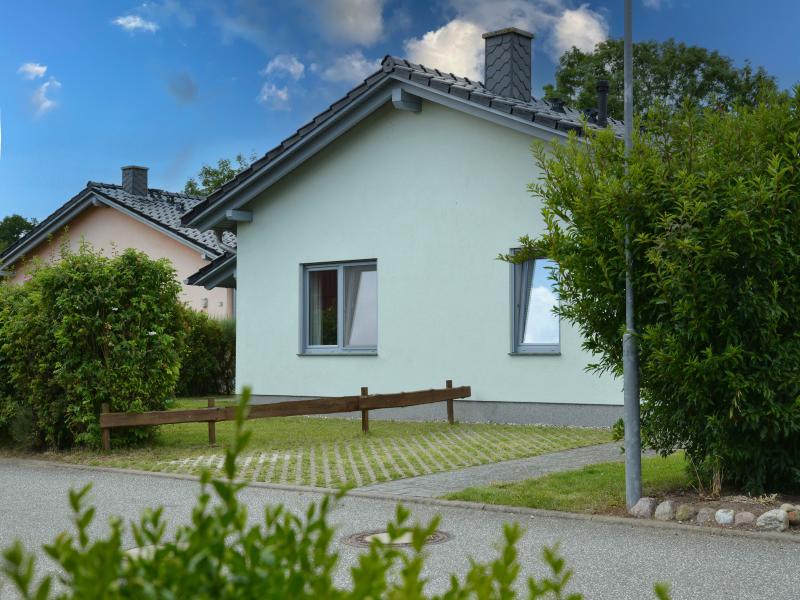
x=521, y=275
x=307, y=349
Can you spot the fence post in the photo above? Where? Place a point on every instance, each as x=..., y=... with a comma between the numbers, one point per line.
x=212, y=427
x=450, y=416
x=364, y=412
x=104, y=408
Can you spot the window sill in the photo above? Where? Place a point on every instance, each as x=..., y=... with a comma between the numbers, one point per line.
x=352, y=353
x=536, y=353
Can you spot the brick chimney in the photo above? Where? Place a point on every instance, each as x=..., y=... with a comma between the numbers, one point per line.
x=508, y=63
x=134, y=180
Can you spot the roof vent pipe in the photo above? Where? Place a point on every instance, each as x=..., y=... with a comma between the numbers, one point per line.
x=134, y=180
x=602, y=102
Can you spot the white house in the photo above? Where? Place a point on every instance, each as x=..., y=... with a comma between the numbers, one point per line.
x=368, y=244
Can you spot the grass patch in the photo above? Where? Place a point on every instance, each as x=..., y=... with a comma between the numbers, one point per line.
x=392, y=449
x=597, y=488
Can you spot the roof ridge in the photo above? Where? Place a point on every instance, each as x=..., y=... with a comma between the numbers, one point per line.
x=116, y=186
x=545, y=113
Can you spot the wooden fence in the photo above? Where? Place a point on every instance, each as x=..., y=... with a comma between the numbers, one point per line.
x=315, y=406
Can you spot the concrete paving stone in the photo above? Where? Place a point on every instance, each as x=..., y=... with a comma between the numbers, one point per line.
x=440, y=484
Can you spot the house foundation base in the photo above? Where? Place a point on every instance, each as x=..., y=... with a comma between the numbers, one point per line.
x=477, y=411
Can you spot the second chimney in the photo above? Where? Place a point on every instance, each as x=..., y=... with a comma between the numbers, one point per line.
x=508, y=63
x=134, y=180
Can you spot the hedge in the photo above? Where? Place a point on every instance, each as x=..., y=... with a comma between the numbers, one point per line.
x=85, y=331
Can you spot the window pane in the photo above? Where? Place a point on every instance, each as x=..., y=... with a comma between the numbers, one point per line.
x=541, y=325
x=361, y=306
x=322, y=308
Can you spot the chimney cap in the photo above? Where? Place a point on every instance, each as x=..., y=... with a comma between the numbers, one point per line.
x=135, y=167
x=490, y=34
x=602, y=85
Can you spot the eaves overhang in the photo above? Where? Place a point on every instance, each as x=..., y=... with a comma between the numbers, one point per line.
x=221, y=272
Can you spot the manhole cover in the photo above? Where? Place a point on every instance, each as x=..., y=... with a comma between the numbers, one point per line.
x=363, y=539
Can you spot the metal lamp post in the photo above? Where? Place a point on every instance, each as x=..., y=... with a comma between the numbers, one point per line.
x=630, y=357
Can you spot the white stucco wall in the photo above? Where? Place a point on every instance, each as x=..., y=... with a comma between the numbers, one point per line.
x=434, y=197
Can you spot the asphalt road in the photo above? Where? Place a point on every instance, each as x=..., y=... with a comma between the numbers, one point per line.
x=611, y=561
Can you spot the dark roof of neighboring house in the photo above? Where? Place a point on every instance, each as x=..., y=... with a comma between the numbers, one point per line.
x=550, y=114
x=160, y=208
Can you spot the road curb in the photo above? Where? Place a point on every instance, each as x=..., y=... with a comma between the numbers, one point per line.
x=462, y=504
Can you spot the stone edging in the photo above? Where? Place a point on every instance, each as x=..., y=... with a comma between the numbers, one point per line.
x=496, y=508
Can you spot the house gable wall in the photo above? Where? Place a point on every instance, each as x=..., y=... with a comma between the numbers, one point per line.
x=434, y=197
x=107, y=229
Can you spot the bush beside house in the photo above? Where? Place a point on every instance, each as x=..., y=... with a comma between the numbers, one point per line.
x=208, y=360
x=712, y=200
x=82, y=332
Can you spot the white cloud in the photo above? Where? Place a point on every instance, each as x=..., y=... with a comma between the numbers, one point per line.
x=351, y=68
x=582, y=28
x=32, y=70
x=654, y=4
x=352, y=21
x=42, y=103
x=286, y=63
x=274, y=96
x=457, y=46
x=135, y=23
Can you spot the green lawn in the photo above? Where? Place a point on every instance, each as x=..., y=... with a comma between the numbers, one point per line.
x=333, y=452
x=594, y=489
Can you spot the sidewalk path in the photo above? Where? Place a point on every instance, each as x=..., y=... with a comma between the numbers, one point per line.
x=439, y=484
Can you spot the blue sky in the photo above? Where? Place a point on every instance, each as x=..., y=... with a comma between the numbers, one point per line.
x=86, y=87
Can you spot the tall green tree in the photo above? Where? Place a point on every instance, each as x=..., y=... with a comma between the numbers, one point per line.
x=12, y=228
x=668, y=72
x=712, y=199
x=211, y=178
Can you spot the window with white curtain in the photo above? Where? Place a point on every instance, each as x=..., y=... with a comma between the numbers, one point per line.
x=536, y=328
x=340, y=308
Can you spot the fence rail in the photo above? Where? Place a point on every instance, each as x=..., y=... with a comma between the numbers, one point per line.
x=315, y=406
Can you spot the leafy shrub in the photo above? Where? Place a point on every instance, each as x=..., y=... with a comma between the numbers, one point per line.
x=712, y=199
x=82, y=332
x=208, y=361
x=220, y=555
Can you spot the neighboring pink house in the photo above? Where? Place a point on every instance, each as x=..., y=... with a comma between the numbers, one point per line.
x=116, y=217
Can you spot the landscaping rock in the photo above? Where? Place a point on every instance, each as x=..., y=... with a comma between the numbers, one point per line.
x=776, y=519
x=685, y=512
x=705, y=516
x=665, y=511
x=744, y=518
x=793, y=512
x=725, y=516
x=644, y=508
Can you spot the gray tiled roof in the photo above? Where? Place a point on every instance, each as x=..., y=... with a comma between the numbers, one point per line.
x=166, y=209
x=551, y=114
x=160, y=207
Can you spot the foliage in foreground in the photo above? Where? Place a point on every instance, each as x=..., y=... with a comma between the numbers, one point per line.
x=81, y=332
x=712, y=199
x=220, y=555
x=208, y=360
